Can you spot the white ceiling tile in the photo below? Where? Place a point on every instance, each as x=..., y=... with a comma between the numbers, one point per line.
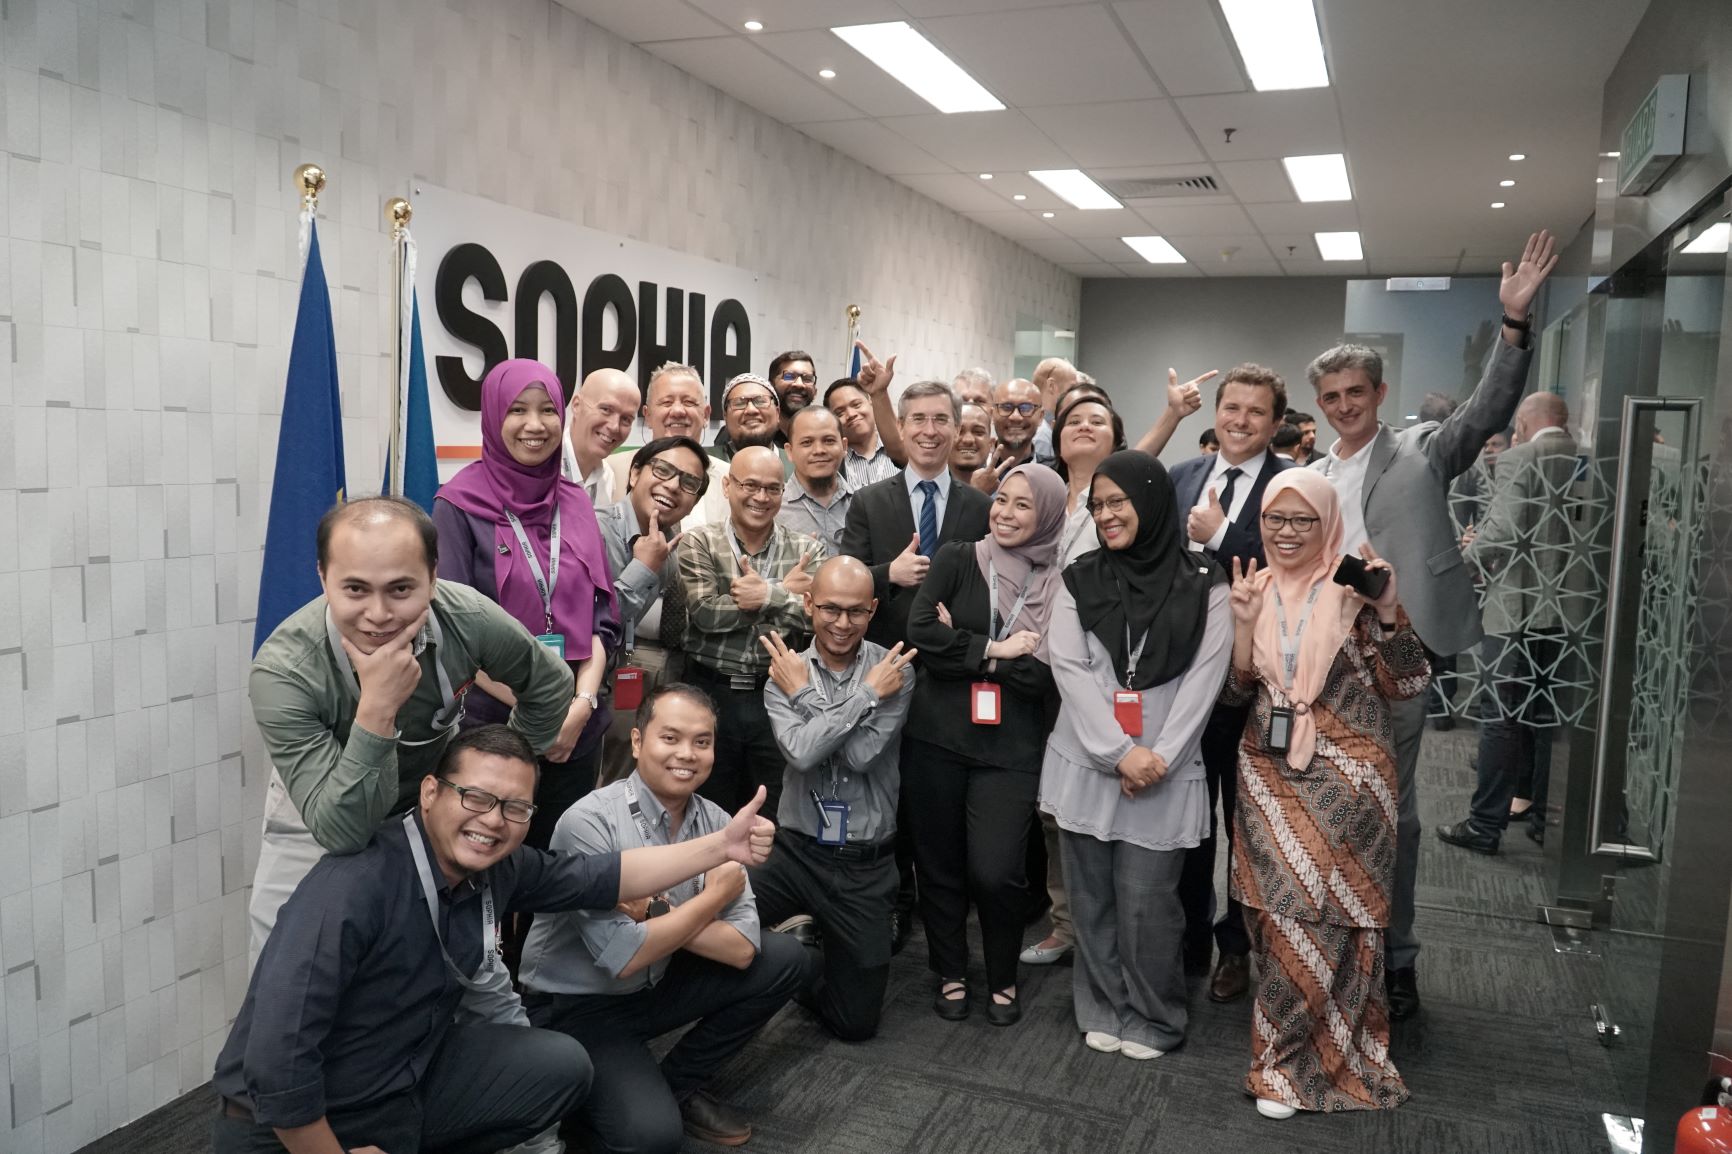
x=1095, y=271
x=1143, y=269
x=1316, y=266
x=874, y=146
x=1037, y=196
x=1257, y=181
x=1185, y=44
x=1119, y=133
x=1059, y=250
x=794, y=15
x=1205, y=251
x=858, y=81
x=642, y=20
x=982, y=141
x=924, y=8
x=1415, y=266
x=1265, y=124
x=1304, y=218
x=1017, y=224
x=1073, y=54
x=953, y=190
x=737, y=67
x=1170, y=221
x=1098, y=222
x=1110, y=249
x=1244, y=268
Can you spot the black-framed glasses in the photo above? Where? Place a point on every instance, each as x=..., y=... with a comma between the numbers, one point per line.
x=1025, y=409
x=1108, y=505
x=788, y=377
x=741, y=404
x=480, y=801
x=667, y=471
x=856, y=614
x=755, y=488
x=1275, y=522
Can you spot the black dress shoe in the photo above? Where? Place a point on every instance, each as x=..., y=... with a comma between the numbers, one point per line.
x=950, y=1009
x=708, y=1120
x=1403, y=988
x=901, y=926
x=1536, y=832
x=1003, y=1013
x=1464, y=835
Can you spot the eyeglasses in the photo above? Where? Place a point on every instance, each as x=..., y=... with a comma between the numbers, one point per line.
x=1275, y=522
x=480, y=801
x=667, y=471
x=856, y=614
x=789, y=377
x=1108, y=505
x=1025, y=409
x=741, y=404
x=754, y=488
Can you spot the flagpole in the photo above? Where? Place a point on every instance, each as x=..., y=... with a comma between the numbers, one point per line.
x=853, y=312
x=398, y=213
x=310, y=180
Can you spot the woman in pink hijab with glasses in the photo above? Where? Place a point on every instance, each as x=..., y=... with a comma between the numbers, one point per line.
x=1314, y=845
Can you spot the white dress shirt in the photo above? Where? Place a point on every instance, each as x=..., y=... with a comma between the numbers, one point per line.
x=1347, y=474
x=916, y=499
x=1249, y=471
x=599, y=484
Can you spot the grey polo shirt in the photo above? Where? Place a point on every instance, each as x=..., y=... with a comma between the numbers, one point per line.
x=584, y=951
x=842, y=741
x=804, y=513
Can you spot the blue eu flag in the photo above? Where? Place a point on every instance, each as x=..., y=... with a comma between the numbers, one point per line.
x=420, y=464
x=309, y=477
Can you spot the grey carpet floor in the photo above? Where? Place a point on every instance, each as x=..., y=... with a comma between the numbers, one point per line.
x=1503, y=1059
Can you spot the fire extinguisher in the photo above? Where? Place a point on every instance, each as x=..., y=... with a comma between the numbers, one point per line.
x=1708, y=1129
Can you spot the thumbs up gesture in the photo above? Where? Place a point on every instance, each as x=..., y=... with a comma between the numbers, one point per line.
x=749, y=590
x=798, y=581
x=748, y=837
x=908, y=568
x=1206, y=519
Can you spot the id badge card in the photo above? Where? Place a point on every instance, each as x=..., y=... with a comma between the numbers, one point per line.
x=555, y=642
x=983, y=702
x=1128, y=710
x=628, y=686
x=1280, y=729
x=834, y=829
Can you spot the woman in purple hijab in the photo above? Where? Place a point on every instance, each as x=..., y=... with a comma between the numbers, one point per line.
x=497, y=519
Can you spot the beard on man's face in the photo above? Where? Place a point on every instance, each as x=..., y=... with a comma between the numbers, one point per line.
x=793, y=401
x=765, y=439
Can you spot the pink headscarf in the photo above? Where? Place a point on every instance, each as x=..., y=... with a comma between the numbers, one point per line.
x=1332, y=616
x=497, y=482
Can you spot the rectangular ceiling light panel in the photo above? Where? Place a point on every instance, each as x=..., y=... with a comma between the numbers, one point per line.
x=1318, y=178
x=1154, y=249
x=1279, y=43
x=1339, y=246
x=1075, y=188
x=915, y=61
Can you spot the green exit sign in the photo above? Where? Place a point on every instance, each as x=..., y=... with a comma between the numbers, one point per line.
x=1654, y=137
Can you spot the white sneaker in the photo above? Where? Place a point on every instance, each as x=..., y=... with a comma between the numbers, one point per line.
x=1105, y=1043
x=1270, y=1108
x=1039, y=955
x=1138, y=1051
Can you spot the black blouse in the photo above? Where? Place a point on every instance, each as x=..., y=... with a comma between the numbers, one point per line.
x=952, y=658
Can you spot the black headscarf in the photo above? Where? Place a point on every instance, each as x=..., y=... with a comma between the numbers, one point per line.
x=1156, y=585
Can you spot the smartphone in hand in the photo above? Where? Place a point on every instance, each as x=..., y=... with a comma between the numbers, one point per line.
x=1356, y=575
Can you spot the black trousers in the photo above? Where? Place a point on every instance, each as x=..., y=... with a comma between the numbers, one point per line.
x=562, y=784
x=850, y=891
x=634, y=1104
x=1221, y=738
x=971, y=825
x=1515, y=729
x=488, y=1088
x=747, y=755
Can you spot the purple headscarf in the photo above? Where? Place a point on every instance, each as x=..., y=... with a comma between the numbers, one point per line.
x=497, y=482
x=1040, y=551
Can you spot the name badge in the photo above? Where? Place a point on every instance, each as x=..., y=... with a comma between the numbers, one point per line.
x=1128, y=710
x=983, y=703
x=833, y=829
x=555, y=642
x=628, y=687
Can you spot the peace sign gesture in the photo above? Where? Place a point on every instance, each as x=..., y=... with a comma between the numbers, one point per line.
x=1246, y=599
x=988, y=479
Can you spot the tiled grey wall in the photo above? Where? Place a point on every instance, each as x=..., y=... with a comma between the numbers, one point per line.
x=147, y=287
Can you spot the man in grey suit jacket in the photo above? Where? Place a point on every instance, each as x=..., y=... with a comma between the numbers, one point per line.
x=1394, y=487
x=1522, y=546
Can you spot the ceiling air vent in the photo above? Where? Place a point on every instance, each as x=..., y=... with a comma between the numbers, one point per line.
x=1162, y=186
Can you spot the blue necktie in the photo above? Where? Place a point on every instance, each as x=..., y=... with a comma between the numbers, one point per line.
x=928, y=518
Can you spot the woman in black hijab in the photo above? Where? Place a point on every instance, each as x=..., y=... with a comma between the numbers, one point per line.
x=1139, y=641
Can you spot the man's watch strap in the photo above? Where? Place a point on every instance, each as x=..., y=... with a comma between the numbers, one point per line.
x=1526, y=324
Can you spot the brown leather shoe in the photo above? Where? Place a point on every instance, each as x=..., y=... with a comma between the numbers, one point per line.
x=710, y=1121
x=1232, y=978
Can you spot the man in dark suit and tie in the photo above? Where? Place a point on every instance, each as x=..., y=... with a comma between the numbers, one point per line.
x=895, y=526
x=1220, y=496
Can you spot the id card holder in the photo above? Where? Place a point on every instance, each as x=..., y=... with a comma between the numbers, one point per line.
x=555, y=642
x=833, y=830
x=628, y=686
x=1280, y=729
x=983, y=702
x=1128, y=710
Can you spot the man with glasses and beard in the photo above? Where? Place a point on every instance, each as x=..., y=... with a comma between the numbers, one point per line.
x=749, y=417
x=837, y=710
x=795, y=380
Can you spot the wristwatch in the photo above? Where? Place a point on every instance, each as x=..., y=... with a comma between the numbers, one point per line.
x=1520, y=326
x=594, y=701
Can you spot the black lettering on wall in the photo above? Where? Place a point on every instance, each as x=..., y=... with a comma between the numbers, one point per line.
x=544, y=277
x=650, y=354
x=461, y=264
x=695, y=332
x=725, y=363
x=604, y=291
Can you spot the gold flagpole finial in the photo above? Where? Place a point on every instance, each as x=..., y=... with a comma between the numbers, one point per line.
x=310, y=179
x=853, y=314
x=398, y=212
